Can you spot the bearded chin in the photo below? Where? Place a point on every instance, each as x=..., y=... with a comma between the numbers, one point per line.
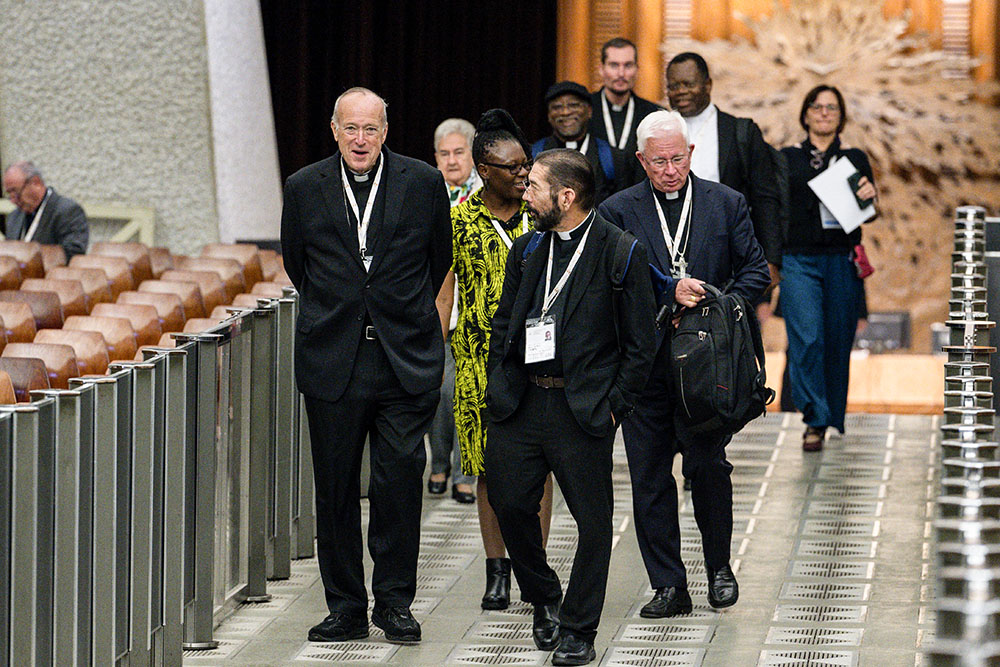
x=546, y=221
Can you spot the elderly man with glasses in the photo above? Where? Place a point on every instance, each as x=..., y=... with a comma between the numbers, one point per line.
x=42, y=214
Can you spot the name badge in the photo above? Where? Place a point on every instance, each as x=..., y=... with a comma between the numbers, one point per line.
x=829, y=222
x=539, y=339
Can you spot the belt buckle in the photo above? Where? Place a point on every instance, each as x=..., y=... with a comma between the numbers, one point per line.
x=369, y=333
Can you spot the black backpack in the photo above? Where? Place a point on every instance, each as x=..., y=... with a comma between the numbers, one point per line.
x=717, y=366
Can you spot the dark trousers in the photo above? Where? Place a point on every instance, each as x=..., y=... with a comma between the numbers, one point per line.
x=376, y=406
x=543, y=436
x=819, y=300
x=651, y=442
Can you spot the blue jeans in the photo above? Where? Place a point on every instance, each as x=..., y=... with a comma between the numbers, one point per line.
x=819, y=300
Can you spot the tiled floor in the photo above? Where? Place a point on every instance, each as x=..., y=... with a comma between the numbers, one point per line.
x=832, y=552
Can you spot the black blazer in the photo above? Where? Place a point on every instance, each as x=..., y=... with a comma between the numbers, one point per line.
x=600, y=378
x=755, y=180
x=412, y=253
x=643, y=108
x=63, y=223
x=721, y=247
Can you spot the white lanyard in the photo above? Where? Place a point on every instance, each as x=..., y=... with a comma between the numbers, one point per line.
x=610, y=128
x=38, y=217
x=550, y=296
x=504, y=236
x=369, y=206
x=677, y=260
x=583, y=147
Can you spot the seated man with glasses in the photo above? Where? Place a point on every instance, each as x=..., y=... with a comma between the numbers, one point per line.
x=569, y=112
x=42, y=214
x=695, y=231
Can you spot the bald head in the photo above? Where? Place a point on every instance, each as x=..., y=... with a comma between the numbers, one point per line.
x=359, y=125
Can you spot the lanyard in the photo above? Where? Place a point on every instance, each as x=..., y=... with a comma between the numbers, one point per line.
x=583, y=147
x=550, y=296
x=677, y=260
x=363, y=220
x=38, y=217
x=504, y=236
x=625, y=128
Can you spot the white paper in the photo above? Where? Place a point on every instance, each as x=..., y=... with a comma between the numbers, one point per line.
x=834, y=191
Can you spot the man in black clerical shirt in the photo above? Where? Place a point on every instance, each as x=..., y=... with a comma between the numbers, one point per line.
x=568, y=355
x=569, y=112
x=617, y=110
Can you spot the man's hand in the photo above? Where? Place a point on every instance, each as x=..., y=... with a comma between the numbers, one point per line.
x=866, y=189
x=689, y=292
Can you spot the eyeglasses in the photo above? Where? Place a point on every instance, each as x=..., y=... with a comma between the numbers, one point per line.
x=830, y=108
x=514, y=169
x=661, y=162
x=370, y=131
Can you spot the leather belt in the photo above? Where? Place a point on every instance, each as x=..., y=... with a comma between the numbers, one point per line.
x=369, y=333
x=546, y=382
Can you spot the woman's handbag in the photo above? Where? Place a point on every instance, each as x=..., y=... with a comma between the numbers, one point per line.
x=861, y=263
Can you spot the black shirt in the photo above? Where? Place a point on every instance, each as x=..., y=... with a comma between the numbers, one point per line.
x=806, y=235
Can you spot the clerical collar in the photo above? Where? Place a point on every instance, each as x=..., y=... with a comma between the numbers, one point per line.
x=575, y=145
x=577, y=231
x=671, y=196
x=617, y=108
x=363, y=178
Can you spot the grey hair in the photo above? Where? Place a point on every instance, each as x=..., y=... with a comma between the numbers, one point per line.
x=659, y=124
x=27, y=169
x=454, y=126
x=364, y=91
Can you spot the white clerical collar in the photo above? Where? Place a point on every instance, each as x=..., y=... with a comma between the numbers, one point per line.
x=575, y=145
x=672, y=195
x=567, y=235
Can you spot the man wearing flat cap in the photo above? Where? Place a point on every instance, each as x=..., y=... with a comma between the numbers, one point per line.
x=569, y=110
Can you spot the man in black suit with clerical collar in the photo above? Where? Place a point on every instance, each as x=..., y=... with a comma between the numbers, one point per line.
x=42, y=214
x=696, y=231
x=617, y=109
x=569, y=112
x=366, y=237
x=568, y=356
x=731, y=150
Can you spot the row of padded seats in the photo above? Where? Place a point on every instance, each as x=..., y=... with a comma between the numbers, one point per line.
x=61, y=321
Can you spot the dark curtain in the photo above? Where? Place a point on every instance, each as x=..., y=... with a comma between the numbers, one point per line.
x=430, y=60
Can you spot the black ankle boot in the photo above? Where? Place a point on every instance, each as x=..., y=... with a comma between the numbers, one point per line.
x=497, y=584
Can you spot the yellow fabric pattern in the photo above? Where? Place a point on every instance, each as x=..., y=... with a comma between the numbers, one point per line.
x=478, y=259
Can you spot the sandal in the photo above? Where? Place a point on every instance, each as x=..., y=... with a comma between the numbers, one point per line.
x=812, y=439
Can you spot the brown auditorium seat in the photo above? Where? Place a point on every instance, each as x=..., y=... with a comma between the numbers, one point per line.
x=228, y=269
x=145, y=320
x=117, y=331
x=270, y=264
x=45, y=306
x=136, y=254
x=18, y=322
x=90, y=347
x=267, y=290
x=7, y=395
x=53, y=256
x=166, y=340
x=94, y=281
x=247, y=300
x=28, y=255
x=201, y=324
x=26, y=375
x=246, y=254
x=189, y=292
x=160, y=260
x=72, y=296
x=118, y=270
x=221, y=313
x=60, y=360
x=10, y=272
x=169, y=308
x=213, y=292
x=282, y=279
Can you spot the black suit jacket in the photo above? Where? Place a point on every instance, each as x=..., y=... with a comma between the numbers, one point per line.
x=754, y=180
x=412, y=253
x=600, y=377
x=63, y=223
x=643, y=108
x=721, y=247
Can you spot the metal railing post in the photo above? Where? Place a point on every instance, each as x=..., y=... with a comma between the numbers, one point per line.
x=261, y=442
x=6, y=531
x=285, y=439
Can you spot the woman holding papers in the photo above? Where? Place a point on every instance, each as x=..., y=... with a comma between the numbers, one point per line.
x=484, y=227
x=820, y=287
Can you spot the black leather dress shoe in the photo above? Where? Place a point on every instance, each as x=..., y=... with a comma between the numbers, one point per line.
x=464, y=497
x=667, y=602
x=397, y=623
x=573, y=651
x=339, y=627
x=497, y=594
x=723, y=591
x=545, y=626
x=437, y=488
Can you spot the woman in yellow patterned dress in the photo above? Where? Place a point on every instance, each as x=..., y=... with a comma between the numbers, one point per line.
x=483, y=229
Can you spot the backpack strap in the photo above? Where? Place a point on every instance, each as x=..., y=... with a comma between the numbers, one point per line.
x=537, y=148
x=624, y=248
x=606, y=159
x=533, y=242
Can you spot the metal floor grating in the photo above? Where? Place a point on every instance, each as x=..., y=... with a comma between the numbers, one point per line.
x=807, y=659
x=659, y=633
x=832, y=569
x=626, y=656
x=495, y=654
x=827, y=637
x=346, y=652
x=789, y=613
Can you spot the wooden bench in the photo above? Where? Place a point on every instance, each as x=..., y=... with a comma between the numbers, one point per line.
x=72, y=296
x=28, y=255
x=229, y=270
x=60, y=360
x=117, y=269
x=46, y=307
x=246, y=254
x=117, y=331
x=201, y=324
x=188, y=291
x=168, y=306
x=145, y=320
x=26, y=376
x=212, y=291
x=90, y=347
x=136, y=254
x=18, y=322
x=95, y=282
x=52, y=256
x=10, y=272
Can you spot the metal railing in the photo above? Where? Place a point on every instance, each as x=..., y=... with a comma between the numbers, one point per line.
x=967, y=528
x=138, y=508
